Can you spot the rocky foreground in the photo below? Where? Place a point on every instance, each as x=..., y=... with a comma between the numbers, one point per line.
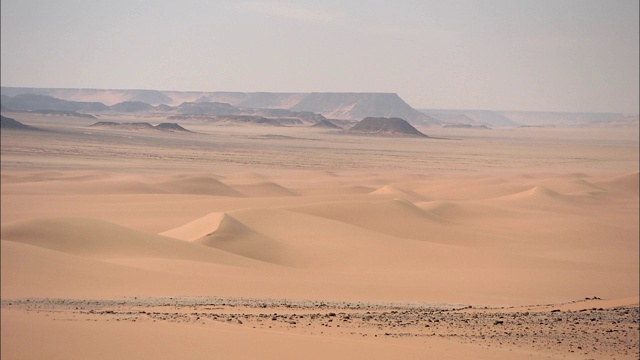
x=589, y=333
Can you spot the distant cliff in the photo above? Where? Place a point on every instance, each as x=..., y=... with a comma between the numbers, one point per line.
x=356, y=106
x=342, y=106
x=307, y=107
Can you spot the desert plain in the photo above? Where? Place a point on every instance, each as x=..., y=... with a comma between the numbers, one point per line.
x=265, y=242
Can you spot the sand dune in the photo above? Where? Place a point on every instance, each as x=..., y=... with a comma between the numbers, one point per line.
x=245, y=177
x=264, y=189
x=52, y=175
x=201, y=185
x=571, y=185
x=453, y=211
x=396, y=217
x=474, y=188
x=398, y=192
x=233, y=236
x=29, y=270
x=333, y=246
x=538, y=194
x=624, y=184
x=94, y=185
x=332, y=190
x=500, y=219
x=520, y=238
x=126, y=184
x=32, y=271
x=197, y=228
x=101, y=240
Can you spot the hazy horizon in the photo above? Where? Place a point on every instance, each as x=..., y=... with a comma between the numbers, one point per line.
x=568, y=56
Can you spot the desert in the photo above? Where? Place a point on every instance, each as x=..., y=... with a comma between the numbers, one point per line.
x=281, y=239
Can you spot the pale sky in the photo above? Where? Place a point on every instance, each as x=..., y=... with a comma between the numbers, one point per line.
x=540, y=55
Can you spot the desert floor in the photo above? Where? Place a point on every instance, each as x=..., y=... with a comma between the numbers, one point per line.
x=294, y=242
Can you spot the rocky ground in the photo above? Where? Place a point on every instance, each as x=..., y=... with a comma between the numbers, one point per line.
x=587, y=333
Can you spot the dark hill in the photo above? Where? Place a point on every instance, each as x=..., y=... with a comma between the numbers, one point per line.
x=9, y=123
x=32, y=102
x=385, y=126
x=131, y=106
x=326, y=124
x=163, y=107
x=171, y=127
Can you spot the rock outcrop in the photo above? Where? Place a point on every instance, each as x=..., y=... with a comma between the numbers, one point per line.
x=385, y=127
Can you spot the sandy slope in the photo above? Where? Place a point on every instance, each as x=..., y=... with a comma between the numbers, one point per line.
x=237, y=217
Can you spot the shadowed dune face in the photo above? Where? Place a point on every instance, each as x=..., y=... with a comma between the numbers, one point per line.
x=235, y=237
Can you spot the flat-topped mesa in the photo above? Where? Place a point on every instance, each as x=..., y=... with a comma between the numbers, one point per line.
x=352, y=106
x=385, y=127
x=334, y=105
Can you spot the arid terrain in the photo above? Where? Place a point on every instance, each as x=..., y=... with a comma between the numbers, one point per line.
x=287, y=242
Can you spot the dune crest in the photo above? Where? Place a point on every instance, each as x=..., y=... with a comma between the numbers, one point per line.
x=197, y=228
x=626, y=184
x=201, y=185
x=102, y=240
x=446, y=209
x=541, y=195
x=235, y=237
x=396, y=217
x=264, y=189
x=397, y=191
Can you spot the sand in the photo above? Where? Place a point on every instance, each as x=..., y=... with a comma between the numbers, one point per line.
x=502, y=220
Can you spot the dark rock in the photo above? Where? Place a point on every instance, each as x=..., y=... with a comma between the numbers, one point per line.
x=171, y=127
x=131, y=106
x=10, y=123
x=326, y=124
x=385, y=127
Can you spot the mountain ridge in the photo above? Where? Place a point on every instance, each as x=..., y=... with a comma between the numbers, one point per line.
x=334, y=105
x=340, y=107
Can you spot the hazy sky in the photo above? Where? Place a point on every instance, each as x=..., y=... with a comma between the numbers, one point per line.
x=555, y=55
